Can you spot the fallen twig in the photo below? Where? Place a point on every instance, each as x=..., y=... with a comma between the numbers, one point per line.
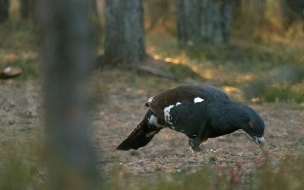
x=156, y=72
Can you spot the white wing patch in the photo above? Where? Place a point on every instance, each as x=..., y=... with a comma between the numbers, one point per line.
x=154, y=121
x=150, y=99
x=198, y=99
x=167, y=115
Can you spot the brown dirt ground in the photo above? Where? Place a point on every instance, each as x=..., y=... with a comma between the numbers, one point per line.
x=120, y=96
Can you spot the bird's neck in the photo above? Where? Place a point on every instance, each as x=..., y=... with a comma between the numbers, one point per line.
x=216, y=132
x=226, y=118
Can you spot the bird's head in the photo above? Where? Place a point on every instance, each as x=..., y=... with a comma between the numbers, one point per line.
x=253, y=125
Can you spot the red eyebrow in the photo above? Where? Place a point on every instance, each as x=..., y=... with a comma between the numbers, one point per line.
x=251, y=125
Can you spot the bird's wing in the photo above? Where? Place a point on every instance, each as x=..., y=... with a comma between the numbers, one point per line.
x=185, y=92
x=172, y=96
x=187, y=117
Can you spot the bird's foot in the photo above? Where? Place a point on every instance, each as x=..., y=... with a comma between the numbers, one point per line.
x=196, y=149
x=195, y=143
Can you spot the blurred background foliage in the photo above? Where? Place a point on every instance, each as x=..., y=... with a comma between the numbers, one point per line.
x=264, y=60
x=265, y=50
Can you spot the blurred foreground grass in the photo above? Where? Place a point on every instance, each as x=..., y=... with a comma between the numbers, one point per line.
x=24, y=168
x=288, y=174
x=22, y=161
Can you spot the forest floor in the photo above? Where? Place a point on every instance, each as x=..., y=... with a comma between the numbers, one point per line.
x=119, y=107
x=169, y=150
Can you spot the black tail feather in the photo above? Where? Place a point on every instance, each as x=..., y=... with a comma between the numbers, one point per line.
x=141, y=135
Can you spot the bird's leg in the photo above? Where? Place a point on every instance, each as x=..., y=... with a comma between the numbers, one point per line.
x=195, y=143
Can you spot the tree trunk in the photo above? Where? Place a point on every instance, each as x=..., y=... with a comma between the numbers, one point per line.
x=204, y=21
x=66, y=38
x=293, y=11
x=158, y=12
x=25, y=8
x=97, y=26
x=124, y=38
x=188, y=20
x=4, y=8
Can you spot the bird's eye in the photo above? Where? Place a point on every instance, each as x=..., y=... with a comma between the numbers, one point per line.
x=251, y=126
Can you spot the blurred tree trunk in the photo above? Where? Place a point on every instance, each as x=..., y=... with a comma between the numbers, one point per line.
x=67, y=52
x=204, y=21
x=97, y=25
x=124, y=37
x=158, y=11
x=25, y=8
x=249, y=17
x=188, y=21
x=4, y=7
x=293, y=11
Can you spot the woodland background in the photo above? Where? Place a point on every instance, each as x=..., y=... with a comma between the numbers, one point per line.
x=259, y=62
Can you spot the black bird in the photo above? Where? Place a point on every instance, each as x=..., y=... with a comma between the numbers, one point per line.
x=198, y=111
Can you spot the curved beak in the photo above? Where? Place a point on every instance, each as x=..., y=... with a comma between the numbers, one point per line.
x=260, y=140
